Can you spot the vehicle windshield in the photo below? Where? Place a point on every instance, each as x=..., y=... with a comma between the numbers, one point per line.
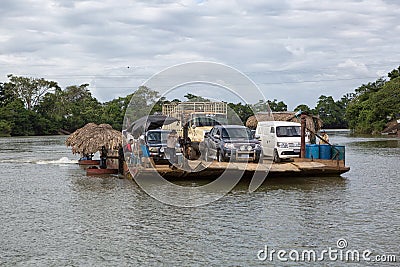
x=237, y=133
x=288, y=131
x=157, y=137
x=201, y=121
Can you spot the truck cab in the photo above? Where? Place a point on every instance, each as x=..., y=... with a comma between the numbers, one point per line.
x=199, y=124
x=196, y=118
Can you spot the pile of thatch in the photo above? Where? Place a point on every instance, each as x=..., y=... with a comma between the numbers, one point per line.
x=92, y=137
x=392, y=127
x=314, y=123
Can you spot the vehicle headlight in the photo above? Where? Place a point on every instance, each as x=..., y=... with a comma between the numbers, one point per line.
x=229, y=145
x=296, y=144
x=153, y=149
x=282, y=145
x=249, y=148
x=162, y=150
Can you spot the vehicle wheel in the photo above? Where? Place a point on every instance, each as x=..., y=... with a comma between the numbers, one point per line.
x=220, y=157
x=277, y=159
x=259, y=158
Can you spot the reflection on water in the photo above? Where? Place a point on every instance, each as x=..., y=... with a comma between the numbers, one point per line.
x=52, y=214
x=379, y=144
x=277, y=183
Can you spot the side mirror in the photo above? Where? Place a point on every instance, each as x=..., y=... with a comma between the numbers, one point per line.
x=217, y=136
x=206, y=134
x=258, y=137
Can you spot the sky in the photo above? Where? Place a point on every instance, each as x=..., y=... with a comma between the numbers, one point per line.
x=294, y=50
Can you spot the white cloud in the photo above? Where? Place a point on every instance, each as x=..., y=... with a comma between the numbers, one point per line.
x=351, y=65
x=294, y=50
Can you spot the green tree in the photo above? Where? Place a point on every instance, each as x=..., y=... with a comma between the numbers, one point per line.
x=303, y=108
x=6, y=94
x=157, y=108
x=331, y=112
x=388, y=100
x=196, y=98
x=5, y=128
x=394, y=73
x=374, y=104
x=30, y=90
x=364, y=91
x=277, y=106
x=51, y=109
x=382, y=107
x=80, y=107
x=235, y=111
x=114, y=111
x=18, y=118
x=262, y=106
x=141, y=104
x=359, y=110
x=14, y=117
x=67, y=110
x=345, y=100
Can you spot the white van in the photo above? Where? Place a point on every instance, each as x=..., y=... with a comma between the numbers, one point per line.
x=279, y=139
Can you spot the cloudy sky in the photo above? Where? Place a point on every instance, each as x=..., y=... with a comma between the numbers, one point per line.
x=293, y=50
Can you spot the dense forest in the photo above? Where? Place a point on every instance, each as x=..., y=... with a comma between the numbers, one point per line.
x=35, y=106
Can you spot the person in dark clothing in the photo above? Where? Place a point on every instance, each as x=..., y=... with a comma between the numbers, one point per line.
x=103, y=158
x=172, y=140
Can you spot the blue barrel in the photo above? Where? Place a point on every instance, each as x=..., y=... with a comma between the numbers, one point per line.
x=325, y=152
x=312, y=151
x=308, y=154
x=338, y=152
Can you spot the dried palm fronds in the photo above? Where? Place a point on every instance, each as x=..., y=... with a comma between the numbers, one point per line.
x=92, y=137
x=77, y=135
x=314, y=123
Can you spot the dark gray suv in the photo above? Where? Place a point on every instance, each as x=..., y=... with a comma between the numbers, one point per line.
x=231, y=143
x=157, y=142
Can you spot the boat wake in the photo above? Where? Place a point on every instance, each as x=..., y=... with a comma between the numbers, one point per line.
x=63, y=160
x=16, y=161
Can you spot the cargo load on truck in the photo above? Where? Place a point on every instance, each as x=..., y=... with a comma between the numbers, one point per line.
x=195, y=119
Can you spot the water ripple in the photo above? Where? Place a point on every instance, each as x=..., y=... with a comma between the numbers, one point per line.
x=53, y=215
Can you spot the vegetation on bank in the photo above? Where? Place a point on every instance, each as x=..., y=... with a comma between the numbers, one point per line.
x=33, y=106
x=374, y=104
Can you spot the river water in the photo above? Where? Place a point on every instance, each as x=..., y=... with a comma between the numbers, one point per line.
x=51, y=214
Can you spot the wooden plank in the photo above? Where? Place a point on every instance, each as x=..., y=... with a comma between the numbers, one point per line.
x=284, y=167
x=214, y=169
x=309, y=165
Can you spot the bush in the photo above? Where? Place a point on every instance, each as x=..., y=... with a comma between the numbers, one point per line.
x=5, y=128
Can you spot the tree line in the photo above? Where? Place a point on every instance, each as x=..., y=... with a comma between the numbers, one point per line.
x=35, y=106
